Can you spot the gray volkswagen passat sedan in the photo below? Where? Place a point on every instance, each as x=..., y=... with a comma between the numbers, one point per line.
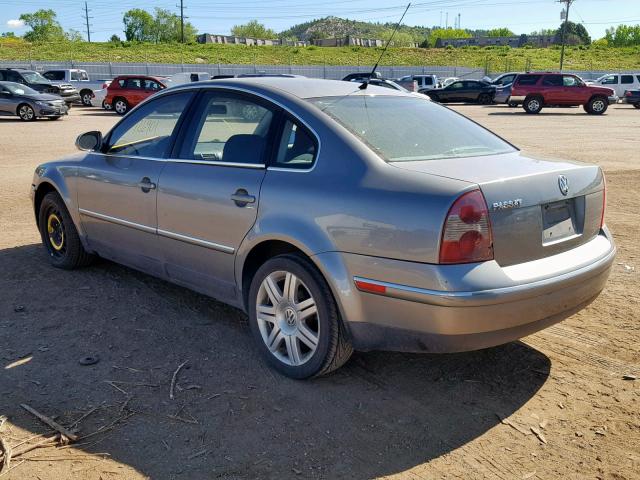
x=28, y=104
x=338, y=218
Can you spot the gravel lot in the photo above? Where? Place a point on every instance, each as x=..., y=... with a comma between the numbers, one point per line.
x=555, y=405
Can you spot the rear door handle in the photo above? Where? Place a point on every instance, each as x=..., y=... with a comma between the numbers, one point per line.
x=242, y=198
x=146, y=185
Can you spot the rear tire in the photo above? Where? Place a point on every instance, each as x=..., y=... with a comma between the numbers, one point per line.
x=597, y=106
x=532, y=105
x=26, y=112
x=637, y=105
x=105, y=105
x=59, y=234
x=121, y=106
x=299, y=330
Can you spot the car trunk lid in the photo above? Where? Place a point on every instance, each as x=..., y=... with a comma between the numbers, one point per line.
x=531, y=216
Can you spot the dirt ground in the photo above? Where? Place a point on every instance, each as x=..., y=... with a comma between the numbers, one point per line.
x=555, y=405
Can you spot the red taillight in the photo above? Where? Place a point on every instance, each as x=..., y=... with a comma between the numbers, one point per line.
x=466, y=235
x=627, y=93
x=604, y=199
x=105, y=85
x=370, y=287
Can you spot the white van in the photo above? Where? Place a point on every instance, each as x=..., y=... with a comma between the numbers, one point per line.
x=620, y=82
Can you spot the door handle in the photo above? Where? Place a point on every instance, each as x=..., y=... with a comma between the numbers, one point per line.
x=146, y=185
x=242, y=198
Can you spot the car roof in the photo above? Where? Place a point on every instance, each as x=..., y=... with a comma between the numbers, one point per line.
x=152, y=77
x=303, y=87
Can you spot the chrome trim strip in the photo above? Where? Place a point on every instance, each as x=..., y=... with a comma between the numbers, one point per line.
x=118, y=221
x=492, y=296
x=196, y=241
x=182, y=160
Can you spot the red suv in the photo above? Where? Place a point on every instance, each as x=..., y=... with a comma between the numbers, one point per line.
x=537, y=90
x=126, y=91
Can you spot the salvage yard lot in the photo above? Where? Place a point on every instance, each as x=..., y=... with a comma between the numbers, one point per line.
x=556, y=405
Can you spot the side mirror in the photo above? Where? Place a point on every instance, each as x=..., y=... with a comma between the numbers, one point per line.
x=89, y=141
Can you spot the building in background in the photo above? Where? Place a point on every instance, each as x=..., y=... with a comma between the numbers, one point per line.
x=348, y=41
x=516, y=41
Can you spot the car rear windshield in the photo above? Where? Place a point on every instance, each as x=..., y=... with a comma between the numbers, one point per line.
x=406, y=128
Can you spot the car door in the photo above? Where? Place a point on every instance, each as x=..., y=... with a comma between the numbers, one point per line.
x=553, y=90
x=117, y=186
x=7, y=102
x=626, y=83
x=470, y=91
x=452, y=93
x=208, y=196
x=134, y=92
x=574, y=92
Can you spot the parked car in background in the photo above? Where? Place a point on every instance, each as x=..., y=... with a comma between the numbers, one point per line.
x=127, y=91
x=467, y=91
x=503, y=94
x=186, y=77
x=422, y=82
x=29, y=104
x=98, y=97
x=632, y=97
x=79, y=79
x=537, y=90
x=337, y=219
x=619, y=82
x=384, y=83
x=500, y=80
x=37, y=82
x=447, y=81
x=361, y=76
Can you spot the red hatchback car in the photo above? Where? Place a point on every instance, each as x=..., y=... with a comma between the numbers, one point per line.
x=126, y=91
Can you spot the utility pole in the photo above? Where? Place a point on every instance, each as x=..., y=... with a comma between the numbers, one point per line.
x=87, y=17
x=459, y=20
x=446, y=23
x=181, y=21
x=564, y=28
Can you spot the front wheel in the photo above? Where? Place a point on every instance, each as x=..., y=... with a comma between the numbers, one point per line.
x=86, y=98
x=105, y=105
x=484, y=99
x=597, y=106
x=26, y=113
x=532, y=105
x=294, y=319
x=59, y=234
x=637, y=105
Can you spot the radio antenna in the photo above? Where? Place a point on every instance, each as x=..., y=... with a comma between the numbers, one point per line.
x=365, y=84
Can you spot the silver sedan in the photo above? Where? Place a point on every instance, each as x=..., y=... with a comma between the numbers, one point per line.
x=28, y=104
x=337, y=217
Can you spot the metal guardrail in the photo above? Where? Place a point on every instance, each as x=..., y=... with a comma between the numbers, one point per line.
x=107, y=70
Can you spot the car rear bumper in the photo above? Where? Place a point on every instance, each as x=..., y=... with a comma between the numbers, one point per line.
x=438, y=308
x=613, y=99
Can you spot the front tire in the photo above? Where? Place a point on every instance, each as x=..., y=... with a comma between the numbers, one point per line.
x=295, y=320
x=26, y=113
x=484, y=99
x=105, y=105
x=532, y=105
x=597, y=106
x=637, y=105
x=121, y=106
x=59, y=234
x=86, y=97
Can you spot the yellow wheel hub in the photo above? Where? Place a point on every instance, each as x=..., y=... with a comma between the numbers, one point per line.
x=55, y=231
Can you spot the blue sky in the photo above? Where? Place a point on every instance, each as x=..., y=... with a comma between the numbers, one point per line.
x=521, y=16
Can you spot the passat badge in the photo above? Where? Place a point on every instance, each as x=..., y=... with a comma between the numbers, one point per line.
x=507, y=204
x=563, y=183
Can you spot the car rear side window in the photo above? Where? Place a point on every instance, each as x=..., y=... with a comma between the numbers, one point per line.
x=297, y=148
x=148, y=131
x=626, y=79
x=134, y=83
x=528, y=79
x=54, y=75
x=229, y=127
x=552, y=81
x=609, y=80
x=405, y=128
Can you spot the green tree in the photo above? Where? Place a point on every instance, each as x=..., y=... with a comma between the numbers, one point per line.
x=575, y=34
x=167, y=27
x=115, y=39
x=500, y=32
x=623, y=36
x=543, y=32
x=253, y=29
x=8, y=35
x=44, y=26
x=138, y=25
x=446, y=33
x=74, y=36
x=400, y=39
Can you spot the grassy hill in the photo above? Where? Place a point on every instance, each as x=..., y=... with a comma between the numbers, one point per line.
x=495, y=58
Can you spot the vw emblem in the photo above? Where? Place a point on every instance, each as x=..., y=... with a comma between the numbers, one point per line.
x=563, y=183
x=290, y=317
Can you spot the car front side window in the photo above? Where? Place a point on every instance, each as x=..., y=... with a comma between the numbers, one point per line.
x=148, y=131
x=569, y=81
x=229, y=128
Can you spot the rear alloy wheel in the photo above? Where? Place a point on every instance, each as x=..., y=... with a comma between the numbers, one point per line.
x=105, y=105
x=294, y=319
x=86, y=99
x=26, y=113
x=120, y=106
x=59, y=234
x=532, y=105
x=597, y=106
x=484, y=99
